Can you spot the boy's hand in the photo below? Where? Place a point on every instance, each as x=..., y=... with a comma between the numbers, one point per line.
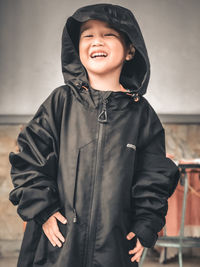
x=137, y=250
x=51, y=230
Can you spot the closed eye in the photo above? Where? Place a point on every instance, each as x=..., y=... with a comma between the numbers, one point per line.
x=88, y=35
x=109, y=34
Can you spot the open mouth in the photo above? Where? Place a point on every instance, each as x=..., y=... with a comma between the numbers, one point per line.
x=98, y=54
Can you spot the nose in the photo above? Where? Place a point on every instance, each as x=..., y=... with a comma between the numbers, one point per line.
x=98, y=41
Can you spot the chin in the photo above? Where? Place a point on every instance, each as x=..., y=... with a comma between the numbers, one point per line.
x=103, y=69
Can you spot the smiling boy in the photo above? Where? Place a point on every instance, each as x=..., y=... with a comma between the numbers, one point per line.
x=103, y=52
x=91, y=177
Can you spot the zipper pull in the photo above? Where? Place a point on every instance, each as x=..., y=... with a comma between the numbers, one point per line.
x=103, y=117
x=75, y=217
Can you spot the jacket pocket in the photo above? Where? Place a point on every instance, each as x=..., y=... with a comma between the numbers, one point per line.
x=81, y=179
x=75, y=219
x=124, y=245
x=46, y=252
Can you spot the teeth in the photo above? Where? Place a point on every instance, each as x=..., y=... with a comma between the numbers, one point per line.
x=98, y=55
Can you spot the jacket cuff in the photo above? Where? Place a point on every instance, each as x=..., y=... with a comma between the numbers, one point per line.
x=145, y=235
x=44, y=215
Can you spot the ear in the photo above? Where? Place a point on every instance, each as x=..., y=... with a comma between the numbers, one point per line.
x=131, y=52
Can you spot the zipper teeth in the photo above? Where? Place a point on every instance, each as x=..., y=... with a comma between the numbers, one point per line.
x=92, y=197
x=87, y=259
x=75, y=188
x=99, y=142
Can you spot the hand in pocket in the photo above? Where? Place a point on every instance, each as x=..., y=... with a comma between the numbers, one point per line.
x=52, y=231
x=137, y=250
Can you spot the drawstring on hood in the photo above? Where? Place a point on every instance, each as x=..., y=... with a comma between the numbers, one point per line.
x=135, y=73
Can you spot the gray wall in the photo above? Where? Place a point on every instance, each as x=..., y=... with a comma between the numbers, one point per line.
x=30, y=42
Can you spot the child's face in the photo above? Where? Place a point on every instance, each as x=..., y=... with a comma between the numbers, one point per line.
x=102, y=49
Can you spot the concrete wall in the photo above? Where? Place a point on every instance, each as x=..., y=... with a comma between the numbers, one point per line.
x=30, y=41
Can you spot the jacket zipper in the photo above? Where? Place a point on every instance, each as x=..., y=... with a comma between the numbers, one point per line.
x=102, y=118
x=75, y=219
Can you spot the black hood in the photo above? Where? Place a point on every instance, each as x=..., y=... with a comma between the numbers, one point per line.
x=135, y=73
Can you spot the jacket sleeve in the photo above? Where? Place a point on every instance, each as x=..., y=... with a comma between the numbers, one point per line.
x=34, y=168
x=155, y=180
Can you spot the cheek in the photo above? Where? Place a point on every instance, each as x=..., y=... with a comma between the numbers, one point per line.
x=119, y=49
x=82, y=52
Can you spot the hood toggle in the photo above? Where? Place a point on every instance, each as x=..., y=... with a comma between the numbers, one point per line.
x=103, y=117
x=135, y=97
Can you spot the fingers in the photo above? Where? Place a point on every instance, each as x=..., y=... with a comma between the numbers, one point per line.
x=130, y=235
x=51, y=230
x=60, y=217
x=54, y=239
x=137, y=248
x=137, y=251
x=137, y=255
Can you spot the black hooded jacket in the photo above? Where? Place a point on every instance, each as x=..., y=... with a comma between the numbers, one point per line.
x=96, y=156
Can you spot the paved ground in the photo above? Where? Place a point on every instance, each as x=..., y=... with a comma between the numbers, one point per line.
x=149, y=262
x=195, y=262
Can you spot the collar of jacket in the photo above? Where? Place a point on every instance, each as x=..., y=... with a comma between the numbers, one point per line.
x=93, y=98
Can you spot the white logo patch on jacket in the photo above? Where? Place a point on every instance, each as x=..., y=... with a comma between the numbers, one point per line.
x=131, y=146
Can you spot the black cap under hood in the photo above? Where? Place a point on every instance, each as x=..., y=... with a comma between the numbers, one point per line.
x=135, y=73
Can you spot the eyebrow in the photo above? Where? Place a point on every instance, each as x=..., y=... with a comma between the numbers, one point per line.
x=84, y=29
x=89, y=27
